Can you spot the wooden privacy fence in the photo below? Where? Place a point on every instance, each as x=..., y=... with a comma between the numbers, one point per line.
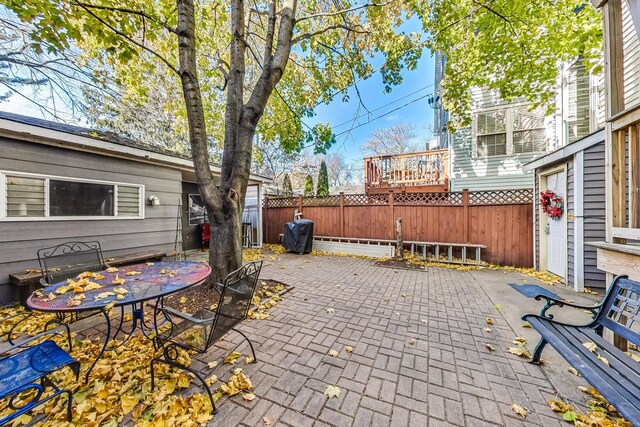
x=501, y=220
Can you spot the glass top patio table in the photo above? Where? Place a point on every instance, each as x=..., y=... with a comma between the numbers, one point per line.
x=154, y=281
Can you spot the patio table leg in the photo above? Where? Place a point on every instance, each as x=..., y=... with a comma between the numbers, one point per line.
x=104, y=346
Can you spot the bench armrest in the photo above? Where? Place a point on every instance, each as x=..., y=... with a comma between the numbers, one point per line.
x=551, y=302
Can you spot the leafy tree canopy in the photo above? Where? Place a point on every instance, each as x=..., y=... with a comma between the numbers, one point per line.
x=511, y=46
x=136, y=42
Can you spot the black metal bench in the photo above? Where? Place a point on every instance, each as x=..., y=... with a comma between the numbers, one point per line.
x=617, y=379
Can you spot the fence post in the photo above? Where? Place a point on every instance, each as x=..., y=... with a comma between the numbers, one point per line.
x=392, y=221
x=299, y=203
x=465, y=207
x=341, y=214
x=265, y=220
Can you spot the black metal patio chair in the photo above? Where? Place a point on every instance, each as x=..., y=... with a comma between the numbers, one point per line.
x=69, y=259
x=201, y=330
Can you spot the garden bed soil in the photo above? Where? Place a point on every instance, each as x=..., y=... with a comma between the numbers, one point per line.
x=395, y=263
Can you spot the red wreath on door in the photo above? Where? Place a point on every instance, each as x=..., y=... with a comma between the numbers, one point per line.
x=552, y=204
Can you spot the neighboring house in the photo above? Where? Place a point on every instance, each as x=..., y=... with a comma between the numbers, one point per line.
x=62, y=183
x=619, y=252
x=576, y=174
x=504, y=136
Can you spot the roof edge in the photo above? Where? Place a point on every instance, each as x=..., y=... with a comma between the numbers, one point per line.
x=564, y=152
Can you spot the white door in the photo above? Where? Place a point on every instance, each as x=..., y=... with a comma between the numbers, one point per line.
x=556, y=252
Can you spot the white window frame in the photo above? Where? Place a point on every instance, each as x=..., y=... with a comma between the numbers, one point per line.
x=47, y=217
x=508, y=130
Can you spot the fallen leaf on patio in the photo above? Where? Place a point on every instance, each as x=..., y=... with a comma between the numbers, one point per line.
x=112, y=270
x=213, y=364
x=592, y=347
x=423, y=320
x=570, y=416
x=249, y=359
x=520, y=341
x=587, y=311
x=211, y=380
x=248, y=396
x=558, y=406
x=337, y=286
x=183, y=300
x=349, y=349
x=120, y=291
x=267, y=421
x=412, y=341
x=519, y=410
x=232, y=358
x=332, y=391
x=92, y=286
x=498, y=306
x=487, y=329
x=490, y=347
x=333, y=353
x=164, y=271
x=330, y=310
x=128, y=402
x=397, y=313
x=574, y=371
x=403, y=295
x=489, y=321
x=118, y=281
x=105, y=295
x=526, y=325
x=603, y=360
x=519, y=352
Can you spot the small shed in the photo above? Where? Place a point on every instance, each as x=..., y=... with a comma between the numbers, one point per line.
x=576, y=174
x=61, y=183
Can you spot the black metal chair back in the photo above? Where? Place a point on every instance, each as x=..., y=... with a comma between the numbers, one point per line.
x=235, y=299
x=69, y=259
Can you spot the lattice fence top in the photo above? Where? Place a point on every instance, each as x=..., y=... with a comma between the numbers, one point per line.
x=501, y=197
x=321, y=201
x=366, y=199
x=476, y=198
x=282, y=202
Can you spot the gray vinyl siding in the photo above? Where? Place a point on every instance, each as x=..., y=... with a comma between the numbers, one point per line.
x=631, y=55
x=569, y=211
x=485, y=173
x=20, y=240
x=594, y=212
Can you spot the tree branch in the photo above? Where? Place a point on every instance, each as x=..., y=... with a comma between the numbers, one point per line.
x=342, y=12
x=129, y=11
x=307, y=36
x=130, y=40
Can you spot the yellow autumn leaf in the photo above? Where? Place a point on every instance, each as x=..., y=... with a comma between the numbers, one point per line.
x=249, y=359
x=519, y=410
x=574, y=371
x=232, y=358
x=92, y=286
x=183, y=300
x=412, y=341
x=74, y=303
x=120, y=297
x=109, y=306
x=112, y=270
x=150, y=264
x=603, y=360
x=211, y=380
x=349, y=349
x=248, y=396
x=133, y=273
x=330, y=310
x=120, y=291
x=591, y=346
x=105, y=295
x=487, y=330
x=559, y=406
x=118, y=280
x=128, y=402
x=520, y=341
x=333, y=353
x=213, y=364
x=267, y=421
x=490, y=347
x=519, y=352
x=489, y=321
x=332, y=391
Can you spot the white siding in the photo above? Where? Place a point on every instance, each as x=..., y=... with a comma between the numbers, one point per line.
x=631, y=54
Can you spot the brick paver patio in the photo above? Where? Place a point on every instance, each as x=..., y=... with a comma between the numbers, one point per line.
x=448, y=377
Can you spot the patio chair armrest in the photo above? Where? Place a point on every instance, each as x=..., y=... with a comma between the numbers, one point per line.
x=218, y=287
x=552, y=302
x=168, y=311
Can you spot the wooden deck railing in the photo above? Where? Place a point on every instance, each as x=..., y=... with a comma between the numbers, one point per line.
x=412, y=171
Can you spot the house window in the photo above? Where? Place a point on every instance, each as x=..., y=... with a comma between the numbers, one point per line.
x=509, y=131
x=27, y=196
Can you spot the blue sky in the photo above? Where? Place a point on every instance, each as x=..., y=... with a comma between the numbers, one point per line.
x=343, y=116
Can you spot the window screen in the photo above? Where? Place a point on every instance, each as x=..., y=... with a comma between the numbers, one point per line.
x=70, y=198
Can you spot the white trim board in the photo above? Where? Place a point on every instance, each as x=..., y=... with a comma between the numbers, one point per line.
x=566, y=151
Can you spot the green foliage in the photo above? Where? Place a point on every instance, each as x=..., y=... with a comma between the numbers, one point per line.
x=287, y=191
x=323, y=180
x=512, y=47
x=308, y=186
